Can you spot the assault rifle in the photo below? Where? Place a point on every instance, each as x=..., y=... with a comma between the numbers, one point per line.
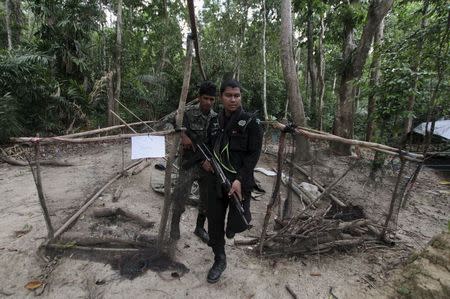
x=208, y=156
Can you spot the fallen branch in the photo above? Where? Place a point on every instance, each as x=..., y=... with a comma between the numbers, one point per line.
x=297, y=190
x=129, y=172
x=15, y=162
x=117, y=193
x=321, y=248
x=146, y=163
x=84, y=248
x=249, y=241
x=291, y=292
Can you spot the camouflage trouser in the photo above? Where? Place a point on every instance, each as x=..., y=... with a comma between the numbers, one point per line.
x=182, y=190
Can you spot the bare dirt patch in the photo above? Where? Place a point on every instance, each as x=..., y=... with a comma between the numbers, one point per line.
x=359, y=272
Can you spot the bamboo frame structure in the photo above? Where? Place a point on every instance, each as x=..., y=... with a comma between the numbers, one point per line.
x=50, y=140
x=315, y=134
x=174, y=146
x=307, y=132
x=107, y=129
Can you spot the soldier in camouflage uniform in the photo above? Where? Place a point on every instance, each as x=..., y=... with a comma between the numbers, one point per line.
x=196, y=120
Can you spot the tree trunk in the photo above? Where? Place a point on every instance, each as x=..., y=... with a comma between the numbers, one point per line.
x=343, y=123
x=320, y=74
x=312, y=71
x=8, y=23
x=162, y=61
x=355, y=58
x=266, y=115
x=195, y=37
x=414, y=68
x=175, y=144
x=334, y=84
x=110, y=95
x=237, y=68
x=160, y=74
x=375, y=74
x=291, y=80
x=118, y=61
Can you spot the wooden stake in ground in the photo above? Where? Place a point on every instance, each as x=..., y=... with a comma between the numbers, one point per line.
x=37, y=179
x=276, y=189
x=395, y=198
x=174, y=146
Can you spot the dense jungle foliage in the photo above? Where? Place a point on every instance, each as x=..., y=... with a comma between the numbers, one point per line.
x=55, y=57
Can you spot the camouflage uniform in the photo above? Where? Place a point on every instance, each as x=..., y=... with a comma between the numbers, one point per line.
x=196, y=124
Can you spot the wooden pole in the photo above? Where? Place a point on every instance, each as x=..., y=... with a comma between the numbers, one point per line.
x=131, y=112
x=122, y=143
x=315, y=134
x=287, y=207
x=276, y=189
x=106, y=129
x=49, y=140
x=394, y=199
x=124, y=122
x=174, y=146
x=91, y=249
x=38, y=181
x=195, y=37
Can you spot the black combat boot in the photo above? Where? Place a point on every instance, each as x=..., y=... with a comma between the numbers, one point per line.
x=199, y=230
x=175, y=226
x=229, y=233
x=220, y=264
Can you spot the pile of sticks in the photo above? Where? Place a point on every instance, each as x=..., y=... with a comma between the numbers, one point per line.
x=319, y=234
x=318, y=228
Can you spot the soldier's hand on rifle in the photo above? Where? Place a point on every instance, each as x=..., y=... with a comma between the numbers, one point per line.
x=186, y=142
x=236, y=188
x=206, y=165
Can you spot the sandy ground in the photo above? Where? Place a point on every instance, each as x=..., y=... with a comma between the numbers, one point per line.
x=359, y=272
